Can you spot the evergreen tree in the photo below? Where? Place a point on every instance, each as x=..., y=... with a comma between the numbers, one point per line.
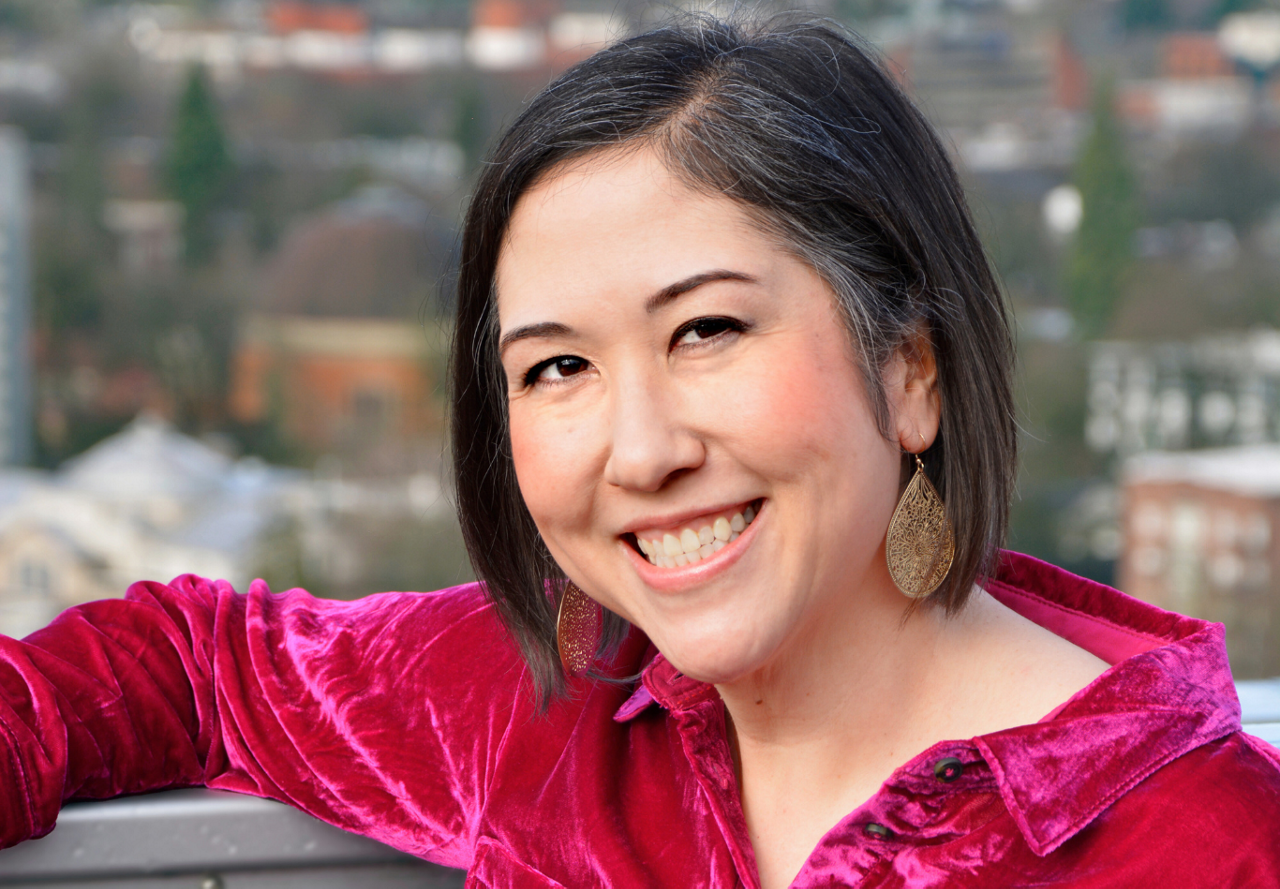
x=199, y=164
x=470, y=128
x=1103, y=246
x=1140, y=15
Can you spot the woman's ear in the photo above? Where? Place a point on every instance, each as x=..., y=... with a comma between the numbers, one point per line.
x=911, y=388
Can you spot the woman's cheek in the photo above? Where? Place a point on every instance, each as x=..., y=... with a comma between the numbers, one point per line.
x=552, y=462
x=786, y=410
x=537, y=454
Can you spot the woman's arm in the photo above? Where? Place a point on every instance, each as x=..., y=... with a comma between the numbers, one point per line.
x=381, y=715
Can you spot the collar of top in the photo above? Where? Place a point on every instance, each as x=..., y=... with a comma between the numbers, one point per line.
x=1169, y=691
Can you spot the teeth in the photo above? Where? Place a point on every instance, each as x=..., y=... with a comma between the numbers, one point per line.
x=690, y=546
x=721, y=529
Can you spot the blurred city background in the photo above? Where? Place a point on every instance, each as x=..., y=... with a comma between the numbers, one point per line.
x=227, y=232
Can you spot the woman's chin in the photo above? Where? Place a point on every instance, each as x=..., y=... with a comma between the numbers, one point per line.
x=717, y=662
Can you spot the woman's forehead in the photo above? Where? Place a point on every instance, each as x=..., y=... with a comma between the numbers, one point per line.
x=623, y=181
x=619, y=221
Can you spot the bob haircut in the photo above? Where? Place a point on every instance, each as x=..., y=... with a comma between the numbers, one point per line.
x=805, y=130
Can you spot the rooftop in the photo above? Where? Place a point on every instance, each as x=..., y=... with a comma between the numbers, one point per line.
x=1252, y=470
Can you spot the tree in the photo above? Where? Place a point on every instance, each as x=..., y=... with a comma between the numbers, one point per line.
x=1139, y=15
x=470, y=129
x=1104, y=242
x=199, y=164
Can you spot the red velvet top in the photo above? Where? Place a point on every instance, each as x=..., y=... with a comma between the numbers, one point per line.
x=406, y=717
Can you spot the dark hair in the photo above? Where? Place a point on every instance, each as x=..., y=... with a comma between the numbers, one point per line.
x=806, y=130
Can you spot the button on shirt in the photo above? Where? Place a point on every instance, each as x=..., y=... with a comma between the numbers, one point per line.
x=407, y=717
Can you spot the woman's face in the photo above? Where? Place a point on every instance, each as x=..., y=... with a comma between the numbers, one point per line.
x=670, y=367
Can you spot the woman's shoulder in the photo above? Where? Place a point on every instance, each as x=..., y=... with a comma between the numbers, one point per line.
x=465, y=602
x=462, y=615
x=465, y=606
x=1236, y=770
x=1212, y=810
x=1199, y=817
x=457, y=627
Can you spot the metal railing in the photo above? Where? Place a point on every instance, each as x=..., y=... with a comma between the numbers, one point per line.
x=205, y=839
x=1260, y=708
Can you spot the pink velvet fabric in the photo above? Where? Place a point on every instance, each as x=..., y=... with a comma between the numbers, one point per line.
x=406, y=717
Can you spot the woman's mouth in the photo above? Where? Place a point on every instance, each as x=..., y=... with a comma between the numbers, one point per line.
x=696, y=540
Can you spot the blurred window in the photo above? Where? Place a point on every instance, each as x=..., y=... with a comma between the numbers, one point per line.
x=374, y=408
x=34, y=578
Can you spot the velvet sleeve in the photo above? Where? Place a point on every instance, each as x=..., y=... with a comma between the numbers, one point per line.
x=382, y=716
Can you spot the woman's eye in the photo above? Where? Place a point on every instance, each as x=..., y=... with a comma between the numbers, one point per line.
x=556, y=369
x=704, y=329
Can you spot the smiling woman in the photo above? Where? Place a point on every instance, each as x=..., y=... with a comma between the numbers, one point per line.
x=734, y=441
x=815, y=154
x=691, y=372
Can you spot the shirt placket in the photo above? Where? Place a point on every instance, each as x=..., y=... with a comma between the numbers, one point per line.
x=919, y=805
x=701, y=728
x=916, y=806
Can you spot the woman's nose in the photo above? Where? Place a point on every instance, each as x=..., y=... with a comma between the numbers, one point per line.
x=652, y=440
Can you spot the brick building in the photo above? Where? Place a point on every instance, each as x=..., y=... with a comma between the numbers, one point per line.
x=336, y=354
x=1198, y=529
x=336, y=383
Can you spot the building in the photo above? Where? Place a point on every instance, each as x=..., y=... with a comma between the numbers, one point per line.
x=147, y=503
x=15, y=301
x=1006, y=91
x=291, y=17
x=335, y=354
x=1198, y=528
x=149, y=234
x=1194, y=54
x=150, y=503
x=335, y=384
x=1219, y=390
x=1197, y=427
x=339, y=40
x=1176, y=108
x=1194, y=92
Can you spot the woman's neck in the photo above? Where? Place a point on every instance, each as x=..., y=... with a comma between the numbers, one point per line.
x=817, y=731
x=848, y=678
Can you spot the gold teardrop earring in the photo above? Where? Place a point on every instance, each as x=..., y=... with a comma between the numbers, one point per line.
x=920, y=543
x=577, y=630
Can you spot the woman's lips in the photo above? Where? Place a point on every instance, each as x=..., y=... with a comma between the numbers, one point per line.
x=696, y=540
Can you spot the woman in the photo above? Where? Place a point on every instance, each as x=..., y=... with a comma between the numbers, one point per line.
x=721, y=309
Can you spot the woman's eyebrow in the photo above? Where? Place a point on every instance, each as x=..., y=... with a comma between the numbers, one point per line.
x=662, y=298
x=528, y=331
x=678, y=289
